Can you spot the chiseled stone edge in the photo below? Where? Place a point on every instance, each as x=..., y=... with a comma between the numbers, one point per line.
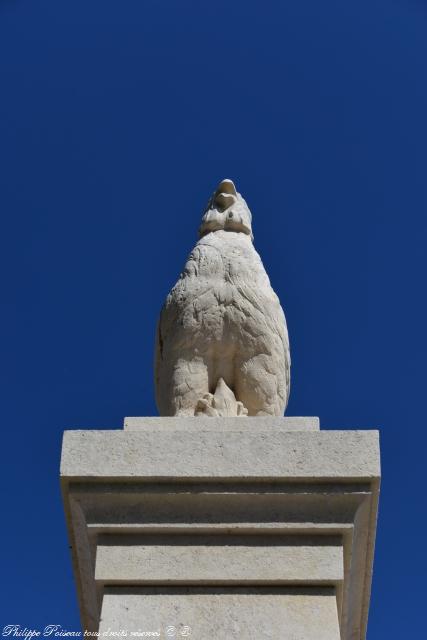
x=262, y=559
x=296, y=423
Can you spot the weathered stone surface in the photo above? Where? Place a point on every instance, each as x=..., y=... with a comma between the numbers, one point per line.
x=224, y=614
x=222, y=344
x=220, y=560
x=246, y=454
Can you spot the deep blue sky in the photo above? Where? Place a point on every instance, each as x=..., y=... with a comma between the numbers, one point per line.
x=117, y=119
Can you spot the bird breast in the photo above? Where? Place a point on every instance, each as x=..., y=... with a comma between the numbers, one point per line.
x=225, y=257
x=223, y=284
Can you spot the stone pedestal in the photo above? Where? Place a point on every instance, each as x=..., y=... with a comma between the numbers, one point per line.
x=222, y=528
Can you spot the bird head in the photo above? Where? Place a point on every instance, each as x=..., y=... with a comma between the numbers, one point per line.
x=226, y=210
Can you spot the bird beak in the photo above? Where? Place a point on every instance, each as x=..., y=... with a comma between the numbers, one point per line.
x=225, y=195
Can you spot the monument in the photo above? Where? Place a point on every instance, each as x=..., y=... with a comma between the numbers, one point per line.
x=221, y=518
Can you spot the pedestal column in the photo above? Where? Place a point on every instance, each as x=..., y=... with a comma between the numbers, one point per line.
x=223, y=528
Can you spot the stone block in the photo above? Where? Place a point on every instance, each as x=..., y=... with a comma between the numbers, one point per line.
x=243, y=454
x=226, y=614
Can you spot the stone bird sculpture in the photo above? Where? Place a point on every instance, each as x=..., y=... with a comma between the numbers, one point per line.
x=222, y=345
